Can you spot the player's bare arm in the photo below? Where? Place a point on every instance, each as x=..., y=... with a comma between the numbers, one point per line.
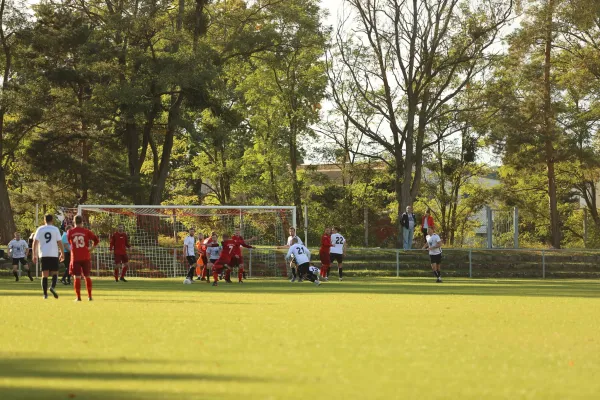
x=61, y=247
x=36, y=243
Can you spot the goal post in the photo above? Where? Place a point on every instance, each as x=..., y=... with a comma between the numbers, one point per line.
x=156, y=235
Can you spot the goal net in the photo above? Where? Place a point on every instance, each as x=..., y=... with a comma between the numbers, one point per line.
x=156, y=235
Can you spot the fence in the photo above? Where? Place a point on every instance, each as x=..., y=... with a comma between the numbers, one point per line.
x=375, y=262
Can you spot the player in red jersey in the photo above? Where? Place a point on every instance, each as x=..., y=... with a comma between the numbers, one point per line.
x=81, y=259
x=225, y=259
x=119, y=242
x=237, y=254
x=324, y=253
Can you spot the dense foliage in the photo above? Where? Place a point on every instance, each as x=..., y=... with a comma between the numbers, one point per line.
x=223, y=102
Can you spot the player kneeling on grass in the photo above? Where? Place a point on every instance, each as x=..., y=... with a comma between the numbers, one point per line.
x=18, y=249
x=119, y=242
x=81, y=257
x=433, y=243
x=302, y=257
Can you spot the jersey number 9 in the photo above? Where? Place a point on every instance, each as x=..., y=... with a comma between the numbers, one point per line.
x=48, y=237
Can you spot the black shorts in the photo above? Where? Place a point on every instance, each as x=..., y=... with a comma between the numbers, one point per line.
x=303, y=268
x=213, y=260
x=49, y=264
x=336, y=257
x=191, y=260
x=435, y=258
x=17, y=261
x=424, y=231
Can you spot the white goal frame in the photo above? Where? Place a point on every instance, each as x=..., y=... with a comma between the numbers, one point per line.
x=139, y=210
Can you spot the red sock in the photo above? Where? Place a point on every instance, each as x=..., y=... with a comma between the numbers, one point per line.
x=78, y=287
x=215, y=275
x=88, y=286
x=228, y=275
x=204, y=273
x=116, y=273
x=124, y=271
x=240, y=274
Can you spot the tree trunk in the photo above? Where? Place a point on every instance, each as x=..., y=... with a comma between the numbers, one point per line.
x=7, y=226
x=549, y=131
x=159, y=180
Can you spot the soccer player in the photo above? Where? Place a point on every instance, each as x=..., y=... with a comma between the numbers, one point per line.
x=293, y=264
x=224, y=259
x=202, y=261
x=119, y=242
x=81, y=259
x=302, y=257
x=338, y=249
x=237, y=253
x=18, y=249
x=324, y=253
x=66, y=278
x=190, y=253
x=47, y=245
x=434, y=245
x=213, y=253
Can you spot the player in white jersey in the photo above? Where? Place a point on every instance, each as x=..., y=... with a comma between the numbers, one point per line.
x=293, y=264
x=212, y=253
x=189, y=250
x=433, y=243
x=338, y=250
x=48, y=246
x=302, y=257
x=18, y=249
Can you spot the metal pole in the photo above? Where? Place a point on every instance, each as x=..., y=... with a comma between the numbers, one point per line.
x=174, y=263
x=37, y=223
x=366, y=227
x=98, y=265
x=470, y=263
x=294, y=218
x=397, y=263
x=543, y=265
x=250, y=264
x=306, y=225
x=489, y=217
x=585, y=229
x=516, y=227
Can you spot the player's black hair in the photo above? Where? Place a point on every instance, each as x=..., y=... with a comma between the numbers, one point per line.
x=48, y=217
x=337, y=228
x=78, y=219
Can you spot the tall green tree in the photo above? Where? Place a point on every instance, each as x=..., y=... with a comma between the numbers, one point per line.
x=401, y=64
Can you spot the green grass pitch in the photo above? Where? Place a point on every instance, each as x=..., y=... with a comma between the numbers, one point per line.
x=271, y=339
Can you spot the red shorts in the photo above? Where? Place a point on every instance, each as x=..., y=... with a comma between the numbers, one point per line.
x=324, y=257
x=79, y=268
x=220, y=264
x=121, y=259
x=235, y=261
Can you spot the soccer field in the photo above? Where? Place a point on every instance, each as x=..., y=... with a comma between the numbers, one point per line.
x=271, y=339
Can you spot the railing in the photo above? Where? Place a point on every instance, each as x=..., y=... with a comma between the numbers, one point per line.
x=472, y=263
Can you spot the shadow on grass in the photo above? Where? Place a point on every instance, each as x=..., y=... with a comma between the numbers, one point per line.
x=402, y=286
x=65, y=371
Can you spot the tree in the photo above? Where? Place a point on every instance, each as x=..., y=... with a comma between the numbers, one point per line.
x=17, y=118
x=402, y=65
